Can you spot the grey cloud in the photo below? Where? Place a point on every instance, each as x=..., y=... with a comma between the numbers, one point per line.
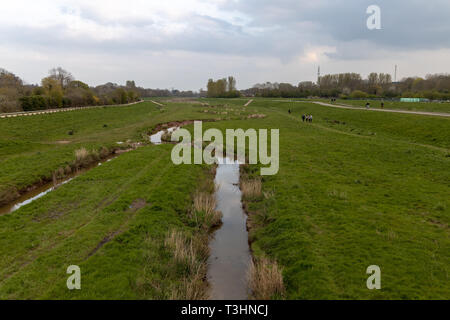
x=406, y=24
x=275, y=29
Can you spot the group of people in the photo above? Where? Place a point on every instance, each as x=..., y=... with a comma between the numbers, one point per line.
x=307, y=118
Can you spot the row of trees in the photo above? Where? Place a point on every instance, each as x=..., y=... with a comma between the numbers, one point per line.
x=222, y=88
x=60, y=90
x=11, y=89
x=352, y=85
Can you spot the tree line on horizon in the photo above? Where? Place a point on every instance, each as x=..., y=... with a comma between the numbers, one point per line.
x=353, y=86
x=222, y=88
x=59, y=90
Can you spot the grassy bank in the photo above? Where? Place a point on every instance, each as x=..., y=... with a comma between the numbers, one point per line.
x=33, y=148
x=114, y=222
x=354, y=189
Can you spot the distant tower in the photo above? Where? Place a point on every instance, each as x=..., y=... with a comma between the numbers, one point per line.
x=318, y=75
x=395, y=74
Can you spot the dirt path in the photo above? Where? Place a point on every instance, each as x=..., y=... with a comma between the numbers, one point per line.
x=248, y=103
x=157, y=103
x=423, y=113
x=48, y=111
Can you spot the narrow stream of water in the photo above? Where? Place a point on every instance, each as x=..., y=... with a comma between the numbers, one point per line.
x=30, y=197
x=156, y=138
x=41, y=191
x=230, y=252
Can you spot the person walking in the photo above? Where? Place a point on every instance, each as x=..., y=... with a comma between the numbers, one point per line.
x=303, y=117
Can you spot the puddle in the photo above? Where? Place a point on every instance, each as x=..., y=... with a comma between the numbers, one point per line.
x=156, y=138
x=230, y=252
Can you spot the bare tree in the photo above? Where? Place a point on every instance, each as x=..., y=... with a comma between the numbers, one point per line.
x=62, y=76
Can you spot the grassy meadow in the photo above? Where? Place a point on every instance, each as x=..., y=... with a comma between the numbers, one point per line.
x=397, y=105
x=354, y=189
x=32, y=148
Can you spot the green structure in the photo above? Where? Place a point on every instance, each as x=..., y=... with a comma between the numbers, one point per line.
x=413, y=100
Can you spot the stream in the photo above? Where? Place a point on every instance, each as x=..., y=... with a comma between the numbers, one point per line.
x=230, y=253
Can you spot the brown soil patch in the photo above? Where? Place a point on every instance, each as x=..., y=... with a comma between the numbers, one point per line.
x=105, y=240
x=137, y=205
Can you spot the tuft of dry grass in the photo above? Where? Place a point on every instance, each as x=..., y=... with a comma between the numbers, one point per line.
x=183, y=250
x=204, y=211
x=192, y=255
x=58, y=175
x=265, y=279
x=95, y=155
x=104, y=152
x=81, y=157
x=251, y=188
x=205, y=202
x=67, y=170
x=192, y=288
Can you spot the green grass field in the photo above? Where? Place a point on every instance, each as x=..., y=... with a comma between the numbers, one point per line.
x=32, y=148
x=396, y=105
x=354, y=189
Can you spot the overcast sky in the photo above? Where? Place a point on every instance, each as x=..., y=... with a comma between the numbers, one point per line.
x=182, y=43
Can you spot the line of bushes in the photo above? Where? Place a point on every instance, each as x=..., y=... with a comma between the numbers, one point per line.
x=36, y=102
x=41, y=102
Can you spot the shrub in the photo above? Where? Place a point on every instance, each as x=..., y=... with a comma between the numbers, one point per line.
x=31, y=103
x=82, y=157
x=358, y=94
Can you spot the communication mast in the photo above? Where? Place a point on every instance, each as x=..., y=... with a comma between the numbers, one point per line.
x=395, y=74
x=318, y=76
